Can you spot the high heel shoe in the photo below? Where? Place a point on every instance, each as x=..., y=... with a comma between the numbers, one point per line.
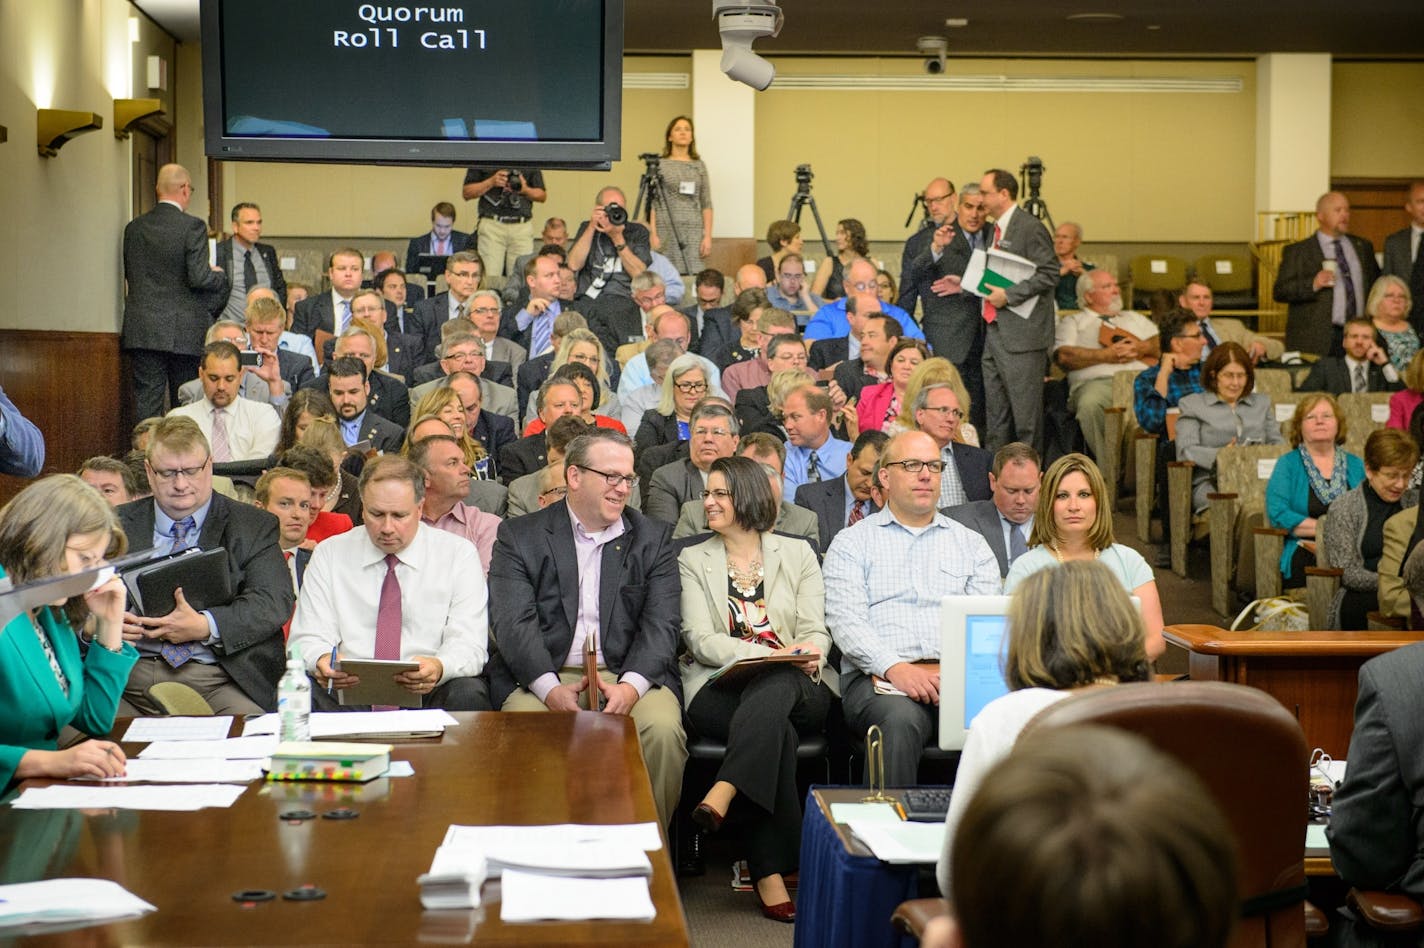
x=707, y=818
x=780, y=912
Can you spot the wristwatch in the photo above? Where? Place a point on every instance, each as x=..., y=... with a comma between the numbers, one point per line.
x=619, y=248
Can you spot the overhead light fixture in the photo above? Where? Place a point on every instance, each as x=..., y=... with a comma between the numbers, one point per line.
x=935, y=47
x=131, y=112
x=1095, y=17
x=57, y=126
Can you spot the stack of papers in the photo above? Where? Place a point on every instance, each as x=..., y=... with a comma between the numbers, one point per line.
x=192, y=796
x=231, y=748
x=32, y=908
x=532, y=897
x=206, y=770
x=418, y=722
x=142, y=730
x=900, y=842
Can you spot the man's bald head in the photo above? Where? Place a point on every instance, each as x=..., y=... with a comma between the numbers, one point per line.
x=862, y=271
x=174, y=184
x=749, y=277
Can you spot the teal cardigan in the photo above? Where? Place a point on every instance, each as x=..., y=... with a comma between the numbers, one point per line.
x=1288, y=496
x=33, y=709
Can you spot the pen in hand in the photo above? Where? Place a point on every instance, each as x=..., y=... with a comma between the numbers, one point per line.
x=331, y=681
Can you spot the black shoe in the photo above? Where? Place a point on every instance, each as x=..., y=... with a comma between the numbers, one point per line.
x=1164, y=557
x=689, y=853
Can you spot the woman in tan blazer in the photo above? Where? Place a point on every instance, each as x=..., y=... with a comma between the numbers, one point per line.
x=749, y=593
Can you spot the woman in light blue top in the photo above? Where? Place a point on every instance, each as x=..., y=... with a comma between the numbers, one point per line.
x=1073, y=522
x=1229, y=411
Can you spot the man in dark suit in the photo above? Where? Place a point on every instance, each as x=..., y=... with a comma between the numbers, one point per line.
x=1325, y=278
x=541, y=618
x=1364, y=367
x=706, y=306
x=462, y=274
x=331, y=311
x=286, y=493
x=247, y=263
x=954, y=321
x=231, y=653
x=845, y=500
x=915, y=279
x=556, y=398
x=348, y=386
x=1016, y=349
x=1401, y=253
x=1006, y=519
x=441, y=240
x=966, y=477
x=492, y=430
x=714, y=435
x=171, y=293
x=879, y=335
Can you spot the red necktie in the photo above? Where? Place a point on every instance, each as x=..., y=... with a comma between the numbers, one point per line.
x=388, y=614
x=990, y=313
x=857, y=513
x=287, y=626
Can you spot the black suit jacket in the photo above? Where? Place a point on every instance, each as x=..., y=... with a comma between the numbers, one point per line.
x=982, y=517
x=530, y=376
x=953, y=324
x=316, y=312
x=171, y=288
x=671, y=486
x=385, y=435
x=494, y=432
x=655, y=428
x=250, y=627
x=401, y=351
x=1308, y=325
x=617, y=320
x=974, y=465
x=1332, y=375
x=753, y=411
x=433, y=314
x=269, y=259
x=716, y=332
x=534, y=600
x=522, y=456
x=914, y=279
x=459, y=240
x=295, y=369
x=1397, y=262
x=850, y=376
x=827, y=352
x=826, y=499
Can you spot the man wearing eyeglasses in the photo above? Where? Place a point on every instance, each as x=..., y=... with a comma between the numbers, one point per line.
x=937, y=413
x=484, y=316
x=915, y=277
x=831, y=322
x=714, y=435
x=463, y=272
x=231, y=652
x=885, y=577
x=589, y=573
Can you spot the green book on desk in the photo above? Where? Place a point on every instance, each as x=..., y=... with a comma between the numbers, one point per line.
x=329, y=761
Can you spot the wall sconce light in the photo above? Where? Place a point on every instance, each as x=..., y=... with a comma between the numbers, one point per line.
x=58, y=126
x=129, y=113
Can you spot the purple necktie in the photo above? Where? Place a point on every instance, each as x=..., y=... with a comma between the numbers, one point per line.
x=388, y=614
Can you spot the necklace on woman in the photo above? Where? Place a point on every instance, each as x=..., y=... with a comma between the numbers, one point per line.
x=745, y=580
x=1058, y=554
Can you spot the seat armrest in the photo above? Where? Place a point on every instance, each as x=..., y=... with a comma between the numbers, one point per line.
x=911, y=917
x=1386, y=911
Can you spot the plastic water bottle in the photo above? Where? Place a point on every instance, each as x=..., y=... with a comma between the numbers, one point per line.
x=294, y=702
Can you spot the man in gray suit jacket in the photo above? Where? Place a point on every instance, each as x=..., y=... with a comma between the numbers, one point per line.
x=714, y=435
x=1015, y=481
x=1320, y=298
x=1401, y=253
x=172, y=290
x=1015, y=348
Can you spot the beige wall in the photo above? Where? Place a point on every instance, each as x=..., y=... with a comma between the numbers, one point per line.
x=1377, y=120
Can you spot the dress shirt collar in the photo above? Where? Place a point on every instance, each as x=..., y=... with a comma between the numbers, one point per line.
x=885, y=517
x=1009, y=525
x=458, y=513
x=413, y=554
x=163, y=524
x=1003, y=222
x=583, y=535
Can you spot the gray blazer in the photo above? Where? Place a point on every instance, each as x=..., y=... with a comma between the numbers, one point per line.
x=792, y=520
x=507, y=350
x=982, y=517
x=1344, y=532
x=1208, y=424
x=671, y=486
x=795, y=602
x=1027, y=237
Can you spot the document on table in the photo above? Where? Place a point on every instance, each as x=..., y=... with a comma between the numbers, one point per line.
x=362, y=723
x=257, y=747
x=900, y=843
x=207, y=770
x=57, y=904
x=178, y=729
x=188, y=796
x=530, y=897
x=642, y=836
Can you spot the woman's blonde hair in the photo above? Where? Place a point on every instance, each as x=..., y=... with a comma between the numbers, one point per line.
x=1071, y=626
x=566, y=346
x=1045, y=530
x=472, y=448
x=325, y=436
x=936, y=371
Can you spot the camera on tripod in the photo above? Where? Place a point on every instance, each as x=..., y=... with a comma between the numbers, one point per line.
x=652, y=159
x=1032, y=173
x=803, y=179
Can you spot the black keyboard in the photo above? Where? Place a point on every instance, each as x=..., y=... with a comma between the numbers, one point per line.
x=926, y=804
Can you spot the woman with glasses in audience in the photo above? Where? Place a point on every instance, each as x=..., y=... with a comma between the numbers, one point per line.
x=54, y=526
x=933, y=371
x=885, y=288
x=585, y=348
x=1354, y=531
x=1307, y=480
x=1388, y=307
x=684, y=385
x=829, y=283
x=1227, y=412
x=1074, y=522
x=750, y=593
x=882, y=403
x=443, y=402
x=587, y=384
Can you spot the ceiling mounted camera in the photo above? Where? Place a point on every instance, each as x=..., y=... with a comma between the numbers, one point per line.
x=740, y=25
x=935, y=47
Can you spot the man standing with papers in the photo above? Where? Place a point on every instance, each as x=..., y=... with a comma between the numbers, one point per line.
x=397, y=590
x=588, y=567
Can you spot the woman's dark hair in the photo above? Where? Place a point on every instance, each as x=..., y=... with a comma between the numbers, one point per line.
x=574, y=371
x=1222, y=356
x=753, y=504
x=855, y=236
x=310, y=400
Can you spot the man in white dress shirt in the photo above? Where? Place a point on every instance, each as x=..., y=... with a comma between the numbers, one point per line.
x=398, y=589
x=237, y=428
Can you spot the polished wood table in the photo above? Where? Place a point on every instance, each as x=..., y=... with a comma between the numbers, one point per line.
x=492, y=769
x=1314, y=674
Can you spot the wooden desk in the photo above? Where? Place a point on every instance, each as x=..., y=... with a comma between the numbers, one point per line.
x=492, y=769
x=1314, y=674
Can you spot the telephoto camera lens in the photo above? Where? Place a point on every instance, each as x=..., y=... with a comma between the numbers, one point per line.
x=617, y=214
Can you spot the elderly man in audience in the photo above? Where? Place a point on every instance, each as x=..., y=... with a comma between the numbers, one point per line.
x=349, y=389
x=966, y=473
x=447, y=484
x=1196, y=296
x=231, y=652
x=112, y=478
x=461, y=351
x=556, y=398
x=665, y=323
x=526, y=492
x=484, y=317
x=551, y=570
x=831, y=320
x=885, y=577
x=1067, y=238
x=813, y=453
x=1006, y=518
x=791, y=519
x=237, y=429
x=846, y=500
x=714, y=435
x=776, y=330
x=1324, y=279
x=1364, y=366
x=400, y=590
x=1094, y=344
x=331, y=311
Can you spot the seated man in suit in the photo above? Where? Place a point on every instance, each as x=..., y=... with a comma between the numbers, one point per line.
x=403, y=353
x=396, y=589
x=757, y=371
x=388, y=395
x=1196, y=297
x=284, y=370
x=555, y=399
x=711, y=321
x=1006, y=518
x=251, y=386
x=1325, y=279
x=112, y=478
x=463, y=272
x=447, y=486
x=396, y=290
x=828, y=352
x=460, y=351
x=555, y=235
x=1365, y=366
x=331, y=311
x=484, y=322
x=527, y=492
x=490, y=429
x=791, y=520
x=247, y=262
x=238, y=429
x=714, y=435
x=230, y=653
x=846, y=500
x=532, y=325
x=349, y=390
x=535, y=370
x=814, y=454
x=966, y=475
x=885, y=577
x=590, y=567
x=442, y=239
x=286, y=493
x=879, y=334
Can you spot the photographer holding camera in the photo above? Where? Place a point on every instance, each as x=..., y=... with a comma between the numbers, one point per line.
x=506, y=204
x=607, y=252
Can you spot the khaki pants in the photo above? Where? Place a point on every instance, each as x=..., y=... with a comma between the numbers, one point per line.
x=501, y=244
x=1087, y=402
x=658, y=715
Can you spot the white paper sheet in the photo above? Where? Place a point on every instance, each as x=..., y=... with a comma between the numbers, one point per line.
x=231, y=748
x=643, y=836
x=56, y=904
x=143, y=797
x=902, y=842
x=358, y=723
x=526, y=897
x=1010, y=266
x=178, y=729
x=1315, y=836
x=206, y=770
x=400, y=768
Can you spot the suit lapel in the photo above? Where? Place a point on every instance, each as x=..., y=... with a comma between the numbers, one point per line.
x=215, y=525
x=714, y=569
x=561, y=547
x=615, y=553
x=140, y=526
x=770, y=566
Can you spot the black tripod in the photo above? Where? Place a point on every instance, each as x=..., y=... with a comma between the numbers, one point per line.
x=1031, y=174
x=650, y=186
x=801, y=198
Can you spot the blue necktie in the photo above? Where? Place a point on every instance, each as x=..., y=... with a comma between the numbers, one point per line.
x=1017, y=545
x=183, y=534
x=345, y=316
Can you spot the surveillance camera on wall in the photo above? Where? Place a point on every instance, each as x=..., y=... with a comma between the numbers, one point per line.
x=740, y=24
x=935, y=48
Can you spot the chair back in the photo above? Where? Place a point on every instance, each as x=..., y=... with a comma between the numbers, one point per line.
x=1122, y=394
x=1283, y=406
x=1363, y=412
x=1251, y=755
x=1225, y=272
x=1157, y=271
x=1274, y=382
x=1244, y=469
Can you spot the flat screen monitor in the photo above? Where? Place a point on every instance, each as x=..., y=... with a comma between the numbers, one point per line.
x=465, y=82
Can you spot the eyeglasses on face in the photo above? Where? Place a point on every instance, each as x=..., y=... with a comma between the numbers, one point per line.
x=717, y=494
x=168, y=474
x=915, y=465
x=690, y=388
x=627, y=480
x=942, y=410
x=710, y=432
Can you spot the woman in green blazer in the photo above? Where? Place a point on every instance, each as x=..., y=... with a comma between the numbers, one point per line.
x=61, y=525
x=748, y=593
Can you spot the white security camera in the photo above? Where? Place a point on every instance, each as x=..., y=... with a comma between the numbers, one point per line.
x=741, y=23
x=934, y=47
